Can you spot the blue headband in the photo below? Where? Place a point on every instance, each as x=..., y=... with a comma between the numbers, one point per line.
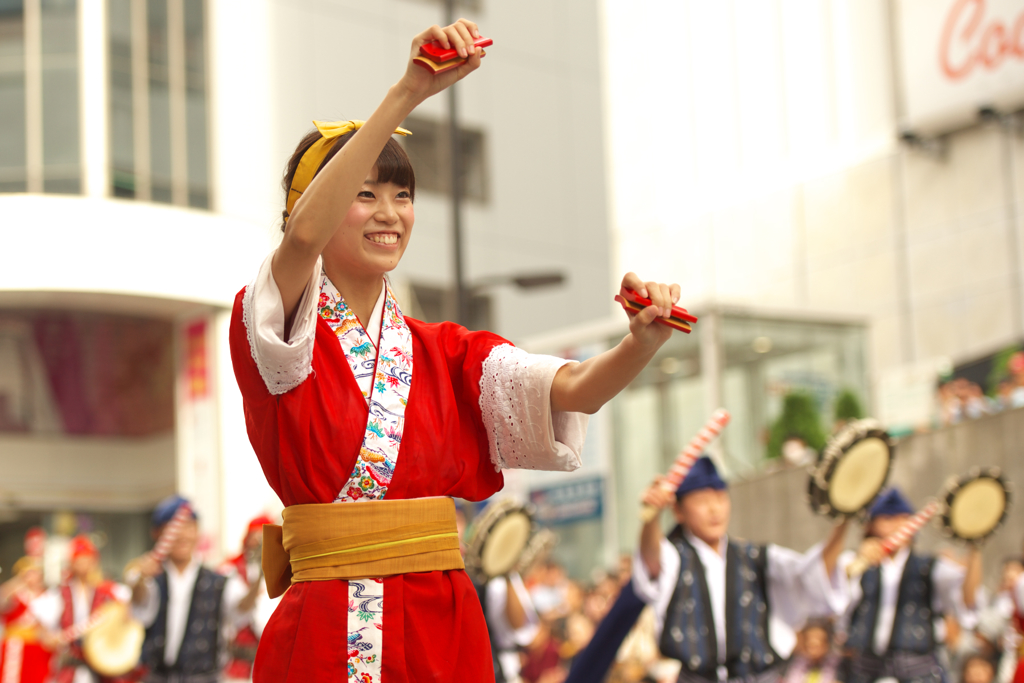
x=166, y=508
x=888, y=503
x=702, y=475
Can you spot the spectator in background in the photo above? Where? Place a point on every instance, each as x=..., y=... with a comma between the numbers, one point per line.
x=1006, y=607
x=542, y=662
x=549, y=590
x=978, y=669
x=814, y=659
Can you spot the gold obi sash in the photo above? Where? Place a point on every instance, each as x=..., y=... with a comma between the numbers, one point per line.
x=360, y=540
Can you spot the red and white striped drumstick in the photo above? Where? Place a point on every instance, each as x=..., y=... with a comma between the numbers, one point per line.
x=688, y=456
x=168, y=536
x=170, y=533
x=898, y=538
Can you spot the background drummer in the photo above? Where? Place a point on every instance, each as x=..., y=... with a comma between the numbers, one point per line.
x=185, y=606
x=893, y=606
x=73, y=603
x=684, y=577
x=512, y=621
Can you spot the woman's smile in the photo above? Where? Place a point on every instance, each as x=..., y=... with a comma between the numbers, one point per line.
x=383, y=239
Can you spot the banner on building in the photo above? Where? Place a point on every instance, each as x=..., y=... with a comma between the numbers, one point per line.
x=576, y=501
x=956, y=57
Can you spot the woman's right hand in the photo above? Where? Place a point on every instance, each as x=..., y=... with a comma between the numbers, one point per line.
x=421, y=83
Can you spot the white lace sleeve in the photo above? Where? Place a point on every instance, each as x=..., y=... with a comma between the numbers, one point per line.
x=515, y=402
x=283, y=365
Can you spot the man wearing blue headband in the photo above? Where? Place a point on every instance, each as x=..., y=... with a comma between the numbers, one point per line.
x=185, y=606
x=714, y=597
x=894, y=604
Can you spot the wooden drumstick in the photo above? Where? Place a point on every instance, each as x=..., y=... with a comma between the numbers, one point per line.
x=688, y=456
x=898, y=538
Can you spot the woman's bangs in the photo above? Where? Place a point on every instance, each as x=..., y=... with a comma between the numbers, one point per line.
x=393, y=166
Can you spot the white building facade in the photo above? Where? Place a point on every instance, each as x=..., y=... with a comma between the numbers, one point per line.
x=142, y=144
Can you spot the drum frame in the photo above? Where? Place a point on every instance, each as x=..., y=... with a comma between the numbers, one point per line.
x=955, y=483
x=821, y=473
x=494, y=513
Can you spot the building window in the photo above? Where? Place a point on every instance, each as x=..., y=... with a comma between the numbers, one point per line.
x=39, y=98
x=430, y=151
x=158, y=101
x=13, y=150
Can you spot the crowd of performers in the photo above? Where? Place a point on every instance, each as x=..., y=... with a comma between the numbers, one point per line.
x=196, y=624
x=701, y=607
x=694, y=606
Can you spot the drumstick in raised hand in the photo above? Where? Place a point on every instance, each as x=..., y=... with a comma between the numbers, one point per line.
x=163, y=544
x=688, y=456
x=898, y=538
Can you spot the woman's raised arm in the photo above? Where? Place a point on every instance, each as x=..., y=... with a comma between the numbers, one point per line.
x=321, y=208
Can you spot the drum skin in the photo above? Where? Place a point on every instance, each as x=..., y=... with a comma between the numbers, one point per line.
x=114, y=646
x=497, y=538
x=853, y=469
x=976, y=504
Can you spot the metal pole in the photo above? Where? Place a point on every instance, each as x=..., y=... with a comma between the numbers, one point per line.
x=461, y=293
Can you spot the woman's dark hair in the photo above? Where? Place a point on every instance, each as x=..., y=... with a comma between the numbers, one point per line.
x=393, y=165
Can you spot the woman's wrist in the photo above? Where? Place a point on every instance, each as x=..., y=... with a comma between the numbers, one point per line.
x=636, y=347
x=405, y=98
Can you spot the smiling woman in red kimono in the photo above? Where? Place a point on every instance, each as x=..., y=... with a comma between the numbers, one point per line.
x=347, y=401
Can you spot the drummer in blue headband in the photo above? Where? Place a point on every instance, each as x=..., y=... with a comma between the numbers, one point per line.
x=893, y=605
x=698, y=575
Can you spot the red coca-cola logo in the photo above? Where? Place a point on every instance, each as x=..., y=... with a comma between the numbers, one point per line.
x=970, y=40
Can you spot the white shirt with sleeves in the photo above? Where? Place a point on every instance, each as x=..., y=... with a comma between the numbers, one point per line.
x=180, y=586
x=515, y=386
x=947, y=596
x=797, y=585
x=508, y=639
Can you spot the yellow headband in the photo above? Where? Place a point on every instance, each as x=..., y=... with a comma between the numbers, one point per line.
x=314, y=156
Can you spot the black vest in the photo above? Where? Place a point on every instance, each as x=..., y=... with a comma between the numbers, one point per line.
x=689, y=631
x=912, y=629
x=200, y=645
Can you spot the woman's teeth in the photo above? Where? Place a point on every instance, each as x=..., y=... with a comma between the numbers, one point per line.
x=384, y=238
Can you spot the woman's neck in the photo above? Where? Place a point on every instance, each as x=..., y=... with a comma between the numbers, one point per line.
x=359, y=291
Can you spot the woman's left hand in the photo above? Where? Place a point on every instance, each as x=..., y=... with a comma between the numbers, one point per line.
x=642, y=326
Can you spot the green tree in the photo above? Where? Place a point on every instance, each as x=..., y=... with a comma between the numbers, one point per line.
x=848, y=406
x=799, y=420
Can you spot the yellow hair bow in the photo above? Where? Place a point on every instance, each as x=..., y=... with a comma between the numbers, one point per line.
x=314, y=156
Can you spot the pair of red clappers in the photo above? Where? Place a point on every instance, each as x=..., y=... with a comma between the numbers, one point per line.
x=680, y=319
x=439, y=59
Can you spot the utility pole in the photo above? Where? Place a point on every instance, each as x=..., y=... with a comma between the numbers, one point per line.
x=461, y=292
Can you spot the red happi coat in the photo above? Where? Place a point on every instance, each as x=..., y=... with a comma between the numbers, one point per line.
x=307, y=441
x=20, y=649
